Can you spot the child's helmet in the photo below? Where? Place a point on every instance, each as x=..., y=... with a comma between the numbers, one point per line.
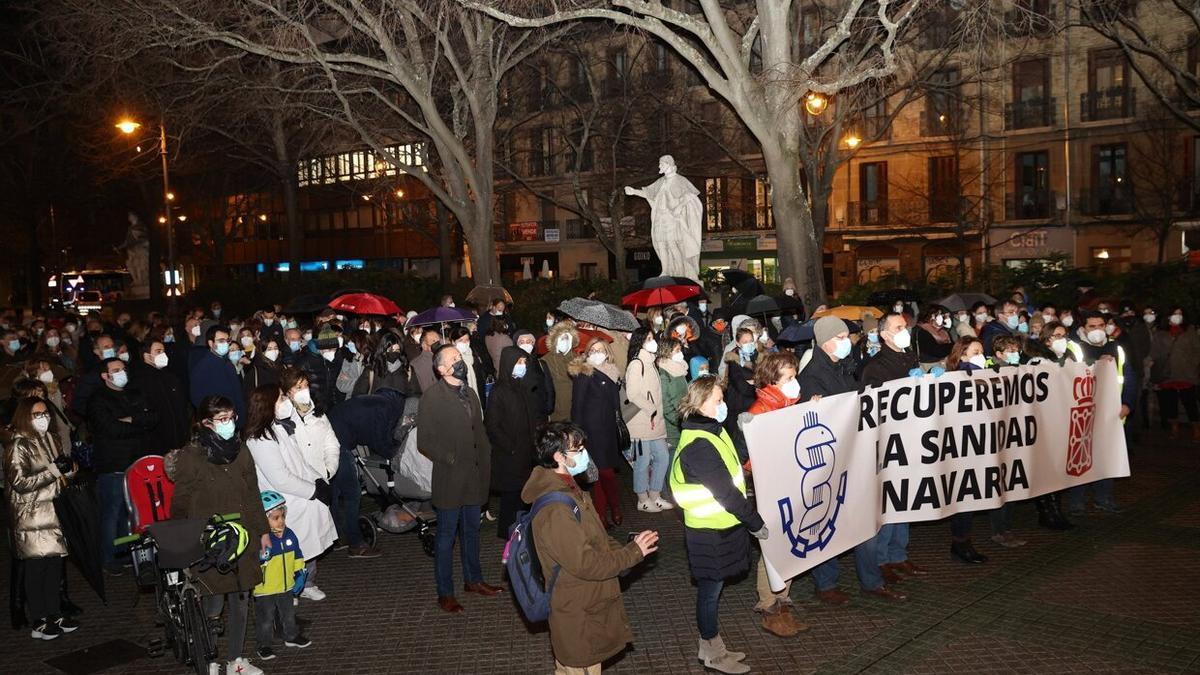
x=272, y=500
x=224, y=543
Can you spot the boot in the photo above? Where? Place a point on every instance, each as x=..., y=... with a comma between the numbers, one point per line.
x=1045, y=516
x=661, y=503
x=645, y=504
x=964, y=551
x=714, y=655
x=779, y=621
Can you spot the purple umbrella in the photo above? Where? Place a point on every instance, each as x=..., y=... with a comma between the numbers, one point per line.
x=441, y=315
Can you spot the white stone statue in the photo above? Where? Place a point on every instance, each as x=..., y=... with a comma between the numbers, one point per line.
x=137, y=255
x=675, y=220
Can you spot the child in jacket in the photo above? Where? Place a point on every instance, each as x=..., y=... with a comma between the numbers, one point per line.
x=283, y=577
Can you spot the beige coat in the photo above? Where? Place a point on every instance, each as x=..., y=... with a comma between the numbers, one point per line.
x=33, y=483
x=644, y=390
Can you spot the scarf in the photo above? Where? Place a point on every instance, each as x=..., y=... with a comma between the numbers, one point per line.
x=673, y=368
x=217, y=449
x=937, y=332
x=288, y=424
x=610, y=370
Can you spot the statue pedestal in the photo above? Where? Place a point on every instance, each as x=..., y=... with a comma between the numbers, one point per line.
x=138, y=292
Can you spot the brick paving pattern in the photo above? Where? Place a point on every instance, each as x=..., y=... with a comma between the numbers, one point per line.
x=1116, y=595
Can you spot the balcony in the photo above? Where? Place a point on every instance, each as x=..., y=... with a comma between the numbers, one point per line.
x=1036, y=19
x=941, y=122
x=526, y=231
x=1030, y=205
x=1108, y=104
x=887, y=213
x=1030, y=114
x=1108, y=201
x=577, y=228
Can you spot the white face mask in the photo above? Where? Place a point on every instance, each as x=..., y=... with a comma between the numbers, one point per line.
x=564, y=344
x=161, y=360
x=658, y=321
x=898, y=308
x=46, y=376
x=463, y=348
x=528, y=347
x=1058, y=346
x=981, y=317
x=789, y=291
x=41, y=425
x=268, y=322
x=119, y=379
x=763, y=337
x=791, y=388
x=124, y=356
x=329, y=356
x=1149, y=318
x=903, y=339
x=247, y=341
x=303, y=397
x=1067, y=320
x=1176, y=319
x=549, y=323
x=681, y=330
x=52, y=342
x=703, y=307
x=271, y=354
x=596, y=358
x=1097, y=336
x=978, y=361
x=1048, y=318
x=651, y=347
x=1110, y=328
x=195, y=330
x=284, y=409
x=677, y=357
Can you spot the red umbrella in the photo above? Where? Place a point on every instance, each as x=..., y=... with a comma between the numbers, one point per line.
x=663, y=295
x=364, y=303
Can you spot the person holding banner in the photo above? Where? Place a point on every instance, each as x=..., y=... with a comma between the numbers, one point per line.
x=1097, y=345
x=966, y=355
x=829, y=373
x=710, y=487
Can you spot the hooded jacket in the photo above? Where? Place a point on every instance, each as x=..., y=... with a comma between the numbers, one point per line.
x=595, y=404
x=538, y=378
x=558, y=365
x=644, y=389
x=588, y=623
x=513, y=416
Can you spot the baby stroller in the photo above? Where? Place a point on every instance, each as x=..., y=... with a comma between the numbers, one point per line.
x=399, y=485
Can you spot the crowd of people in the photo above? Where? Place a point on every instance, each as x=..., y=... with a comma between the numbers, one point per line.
x=260, y=414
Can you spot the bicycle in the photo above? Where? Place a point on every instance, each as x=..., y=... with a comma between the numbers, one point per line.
x=162, y=556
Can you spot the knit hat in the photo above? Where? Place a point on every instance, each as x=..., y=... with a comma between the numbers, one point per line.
x=826, y=328
x=327, y=338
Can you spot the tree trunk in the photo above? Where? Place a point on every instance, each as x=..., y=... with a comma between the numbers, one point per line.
x=286, y=168
x=616, y=213
x=799, y=246
x=484, y=267
x=444, y=259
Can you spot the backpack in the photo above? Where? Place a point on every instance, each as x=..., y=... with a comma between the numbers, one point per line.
x=526, y=579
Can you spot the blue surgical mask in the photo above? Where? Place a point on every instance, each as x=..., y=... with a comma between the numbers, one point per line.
x=294, y=345
x=842, y=350
x=1012, y=358
x=120, y=379
x=519, y=370
x=1024, y=328
x=352, y=347
x=168, y=338
x=235, y=356
x=873, y=337
x=109, y=353
x=747, y=349
x=224, y=429
x=722, y=412
x=581, y=463
x=14, y=345
x=222, y=348
x=1013, y=321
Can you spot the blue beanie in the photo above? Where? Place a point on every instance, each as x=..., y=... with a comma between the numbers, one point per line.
x=695, y=364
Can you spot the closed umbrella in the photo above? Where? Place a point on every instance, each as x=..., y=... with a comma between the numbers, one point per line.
x=958, y=302
x=599, y=314
x=78, y=514
x=441, y=315
x=365, y=303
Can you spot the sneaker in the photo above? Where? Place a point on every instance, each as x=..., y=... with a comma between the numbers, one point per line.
x=663, y=505
x=299, y=642
x=67, y=625
x=340, y=546
x=313, y=593
x=364, y=551
x=265, y=653
x=649, y=507
x=46, y=630
x=240, y=666
x=487, y=515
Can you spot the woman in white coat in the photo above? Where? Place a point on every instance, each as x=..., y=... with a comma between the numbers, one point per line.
x=272, y=438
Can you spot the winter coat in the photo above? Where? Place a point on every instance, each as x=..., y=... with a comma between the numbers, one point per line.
x=710, y=345
x=558, y=365
x=401, y=381
x=279, y=465
x=739, y=396
x=1176, y=358
x=588, y=623
x=537, y=378
x=990, y=331
x=322, y=377
x=166, y=397
x=595, y=404
x=261, y=372
x=822, y=377
x=770, y=398
x=370, y=421
x=496, y=344
x=318, y=443
x=644, y=390
x=513, y=416
x=116, y=444
x=673, y=377
x=451, y=433
x=929, y=350
x=716, y=554
x=423, y=370
x=203, y=489
x=888, y=365
x=212, y=375
x=32, y=484
x=285, y=562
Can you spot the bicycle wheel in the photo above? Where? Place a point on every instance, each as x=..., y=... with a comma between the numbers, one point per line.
x=201, y=647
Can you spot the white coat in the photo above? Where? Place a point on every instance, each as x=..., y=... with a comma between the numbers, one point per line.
x=281, y=467
x=318, y=443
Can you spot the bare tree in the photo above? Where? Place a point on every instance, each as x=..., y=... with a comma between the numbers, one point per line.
x=1161, y=186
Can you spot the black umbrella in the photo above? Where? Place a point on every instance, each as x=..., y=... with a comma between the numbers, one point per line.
x=797, y=332
x=79, y=517
x=306, y=304
x=762, y=304
x=892, y=295
x=661, y=281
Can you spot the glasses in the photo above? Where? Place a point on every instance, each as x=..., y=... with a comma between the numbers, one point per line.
x=224, y=418
x=41, y=416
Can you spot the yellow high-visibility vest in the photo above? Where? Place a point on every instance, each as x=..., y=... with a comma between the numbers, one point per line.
x=700, y=508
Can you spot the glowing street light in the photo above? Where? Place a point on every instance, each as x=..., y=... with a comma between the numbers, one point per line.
x=852, y=141
x=816, y=103
x=128, y=126
x=399, y=194
x=162, y=220
x=262, y=217
x=170, y=196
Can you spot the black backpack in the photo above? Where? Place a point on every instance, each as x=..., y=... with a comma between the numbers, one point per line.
x=526, y=579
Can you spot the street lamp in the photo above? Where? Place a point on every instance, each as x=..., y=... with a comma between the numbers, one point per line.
x=127, y=127
x=815, y=103
x=852, y=141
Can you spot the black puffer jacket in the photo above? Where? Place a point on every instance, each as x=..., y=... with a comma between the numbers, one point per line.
x=888, y=365
x=322, y=378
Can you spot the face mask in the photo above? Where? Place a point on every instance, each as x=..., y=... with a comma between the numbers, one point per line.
x=1012, y=320
x=268, y=322
x=41, y=425
x=161, y=360
x=519, y=370
x=1068, y=320
x=549, y=323
x=1104, y=310
x=978, y=361
x=722, y=413
x=292, y=324
x=224, y=429
x=303, y=397
x=120, y=379
x=195, y=330
x=651, y=347
x=235, y=327
x=246, y=341
x=1012, y=358
x=14, y=345
x=450, y=305
x=527, y=347
x=703, y=307
x=308, y=336
x=873, y=337
x=581, y=463
x=902, y=339
x=981, y=317
x=791, y=389
x=1176, y=319
x=789, y=291
x=842, y=349
x=70, y=328
x=234, y=356
x=1048, y=318
x=658, y=321
x=459, y=371
x=329, y=355
x=463, y=348
x=1110, y=328
x=947, y=322
x=109, y=353
x=677, y=357
x=1059, y=346
x=681, y=331
x=1097, y=337
x=1149, y=318
x=52, y=342
x=963, y=318
x=271, y=354
x=352, y=348
x=169, y=338
x=341, y=342
x=366, y=328
x=222, y=348
x=294, y=346
x=216, y=312
x=1024, y=328
x=46, y=376
x=124, y=356
x=393, y=366
x=596, y=358
x=898, y=308
x=763, y=338
x=747, y=350
x=564, y=344
x=284, y=409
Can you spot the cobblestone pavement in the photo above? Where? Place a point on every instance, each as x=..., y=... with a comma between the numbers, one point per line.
x=1117, y=594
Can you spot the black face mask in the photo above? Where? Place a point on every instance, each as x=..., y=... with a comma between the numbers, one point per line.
x=393, y=357
x=460, y=371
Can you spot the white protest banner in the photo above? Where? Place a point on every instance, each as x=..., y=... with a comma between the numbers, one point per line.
x=829, y=473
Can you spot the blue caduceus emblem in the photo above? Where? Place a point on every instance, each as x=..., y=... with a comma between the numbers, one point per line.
x=814, y=452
